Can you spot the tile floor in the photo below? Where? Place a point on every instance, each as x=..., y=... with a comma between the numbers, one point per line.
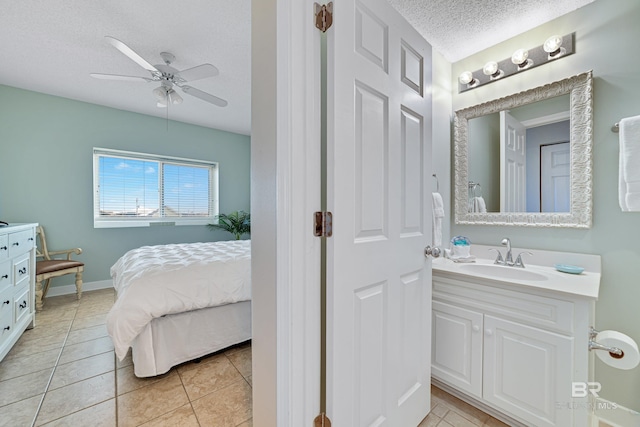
x=64, y=373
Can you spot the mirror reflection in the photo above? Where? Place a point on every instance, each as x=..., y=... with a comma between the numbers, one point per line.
x=519, y=159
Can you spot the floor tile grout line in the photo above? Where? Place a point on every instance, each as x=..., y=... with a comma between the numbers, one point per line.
x=44, y=395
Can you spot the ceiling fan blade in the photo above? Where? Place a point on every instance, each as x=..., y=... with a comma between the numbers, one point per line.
x=204, y=96
x=131, y=54
x=200, y=72
x=119, y=77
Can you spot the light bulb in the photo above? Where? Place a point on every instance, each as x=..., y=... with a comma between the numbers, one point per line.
x=491, y=69
x=161, y=93
x=520, y=58
x=466, y=77
x=552, y=45
x=174, y=97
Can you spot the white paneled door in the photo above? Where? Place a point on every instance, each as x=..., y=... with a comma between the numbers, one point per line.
x=513, y=160
x=379, y=163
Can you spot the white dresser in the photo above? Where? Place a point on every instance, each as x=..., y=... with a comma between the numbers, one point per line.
x=17, y=282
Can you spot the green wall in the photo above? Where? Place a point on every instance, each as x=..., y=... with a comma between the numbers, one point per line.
x=607, y=34
x=46, y=172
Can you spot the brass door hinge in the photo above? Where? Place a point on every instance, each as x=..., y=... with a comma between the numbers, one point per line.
x=324, y=16
x=322, y=421
x=323, y=224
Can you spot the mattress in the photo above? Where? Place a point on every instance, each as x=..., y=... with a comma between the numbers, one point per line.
x=156, y=281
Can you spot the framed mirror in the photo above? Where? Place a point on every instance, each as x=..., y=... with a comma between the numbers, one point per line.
x=526, y=159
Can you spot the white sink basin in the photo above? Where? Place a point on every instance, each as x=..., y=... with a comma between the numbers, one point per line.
x=503, y=272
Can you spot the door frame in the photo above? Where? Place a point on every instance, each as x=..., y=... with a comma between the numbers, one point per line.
x=285, y=191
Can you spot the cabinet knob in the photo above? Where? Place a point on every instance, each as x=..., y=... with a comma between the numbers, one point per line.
x=3, y=248
x=489, y=332
x=16, y=243
x=23, y=270
x=6, y=328
x=6, y=302
x=23, y=305
x=476, y=328
x=30, y=239
x=5, y=276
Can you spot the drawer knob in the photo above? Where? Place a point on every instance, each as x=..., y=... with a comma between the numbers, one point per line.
x=23, y=270
x=3, y=248
x=476, y=328
x=30, y=239
x=489, y=332
x=6, y=302
x=6, y=328
x=23, y=305
x=5, y=276
x=16, y=243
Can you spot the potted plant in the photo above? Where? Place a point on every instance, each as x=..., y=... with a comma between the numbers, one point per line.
x=236, y=223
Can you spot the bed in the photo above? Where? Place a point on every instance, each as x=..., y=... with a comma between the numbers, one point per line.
x=178, y=302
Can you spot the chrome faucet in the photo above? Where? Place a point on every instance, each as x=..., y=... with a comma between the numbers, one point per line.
x=508, y=258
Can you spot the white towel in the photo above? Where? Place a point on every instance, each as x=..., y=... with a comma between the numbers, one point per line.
x=477, y=204
x=629, y=165
x=438, y=215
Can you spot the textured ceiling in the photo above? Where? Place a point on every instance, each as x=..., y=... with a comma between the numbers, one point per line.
x=52, y=46
x=458, y=29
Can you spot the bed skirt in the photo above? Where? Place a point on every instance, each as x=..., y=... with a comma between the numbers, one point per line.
x=177, y=338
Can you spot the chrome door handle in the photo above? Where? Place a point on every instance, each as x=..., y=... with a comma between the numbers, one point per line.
x=434, y=252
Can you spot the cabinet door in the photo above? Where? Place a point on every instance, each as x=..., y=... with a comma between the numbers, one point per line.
x=528, y=372
x=456, y=356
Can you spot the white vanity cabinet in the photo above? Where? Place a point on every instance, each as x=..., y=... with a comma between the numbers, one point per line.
x=17, y=282
x=511, y=350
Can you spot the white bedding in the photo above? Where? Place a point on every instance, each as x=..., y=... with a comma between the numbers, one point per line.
x=153, y=281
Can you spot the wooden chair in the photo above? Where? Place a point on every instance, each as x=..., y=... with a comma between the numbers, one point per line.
x=49, y=267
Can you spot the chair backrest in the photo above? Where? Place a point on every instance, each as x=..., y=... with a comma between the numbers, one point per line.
x=41, y=248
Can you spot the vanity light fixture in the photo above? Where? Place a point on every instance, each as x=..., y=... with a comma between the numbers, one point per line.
x=553, y=48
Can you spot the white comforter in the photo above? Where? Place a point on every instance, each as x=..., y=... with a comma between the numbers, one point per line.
x=152, y=281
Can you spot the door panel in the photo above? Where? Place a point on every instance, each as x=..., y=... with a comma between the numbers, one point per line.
x=526, y=371
x=378, y=158
x=513, y=197
x=457, y=347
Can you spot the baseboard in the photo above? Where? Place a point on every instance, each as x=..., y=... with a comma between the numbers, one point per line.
x=615, y=415
x=55, y=291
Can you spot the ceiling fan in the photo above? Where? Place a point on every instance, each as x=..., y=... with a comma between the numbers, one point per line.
x=168, y=77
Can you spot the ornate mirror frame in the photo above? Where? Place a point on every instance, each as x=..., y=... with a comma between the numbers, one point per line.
x=580, y=87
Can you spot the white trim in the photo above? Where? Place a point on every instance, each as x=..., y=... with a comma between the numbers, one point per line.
x=547, y=120
x=614, y=415
x=55, y=291
x=285, y=191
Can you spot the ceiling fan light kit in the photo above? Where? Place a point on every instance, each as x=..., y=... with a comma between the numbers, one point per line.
x=168, y=77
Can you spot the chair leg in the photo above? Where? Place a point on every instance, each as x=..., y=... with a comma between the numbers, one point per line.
x=39, y=297
x=79, y=284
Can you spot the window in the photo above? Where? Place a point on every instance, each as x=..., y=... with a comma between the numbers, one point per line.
x=139, y=190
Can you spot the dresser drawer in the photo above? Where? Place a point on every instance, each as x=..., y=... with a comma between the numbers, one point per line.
x=5, y=275
x=21, y=242
x=6, y=315
x=22, y=304
x=4, y=247
x=21, y=267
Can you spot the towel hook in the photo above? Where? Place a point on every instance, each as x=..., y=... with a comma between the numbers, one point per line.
x=615, y=128
x=437, y=183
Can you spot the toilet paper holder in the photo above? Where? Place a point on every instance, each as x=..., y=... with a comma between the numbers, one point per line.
x=615, y=352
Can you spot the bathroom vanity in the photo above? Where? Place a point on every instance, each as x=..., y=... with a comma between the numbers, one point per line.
x=512, y=341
